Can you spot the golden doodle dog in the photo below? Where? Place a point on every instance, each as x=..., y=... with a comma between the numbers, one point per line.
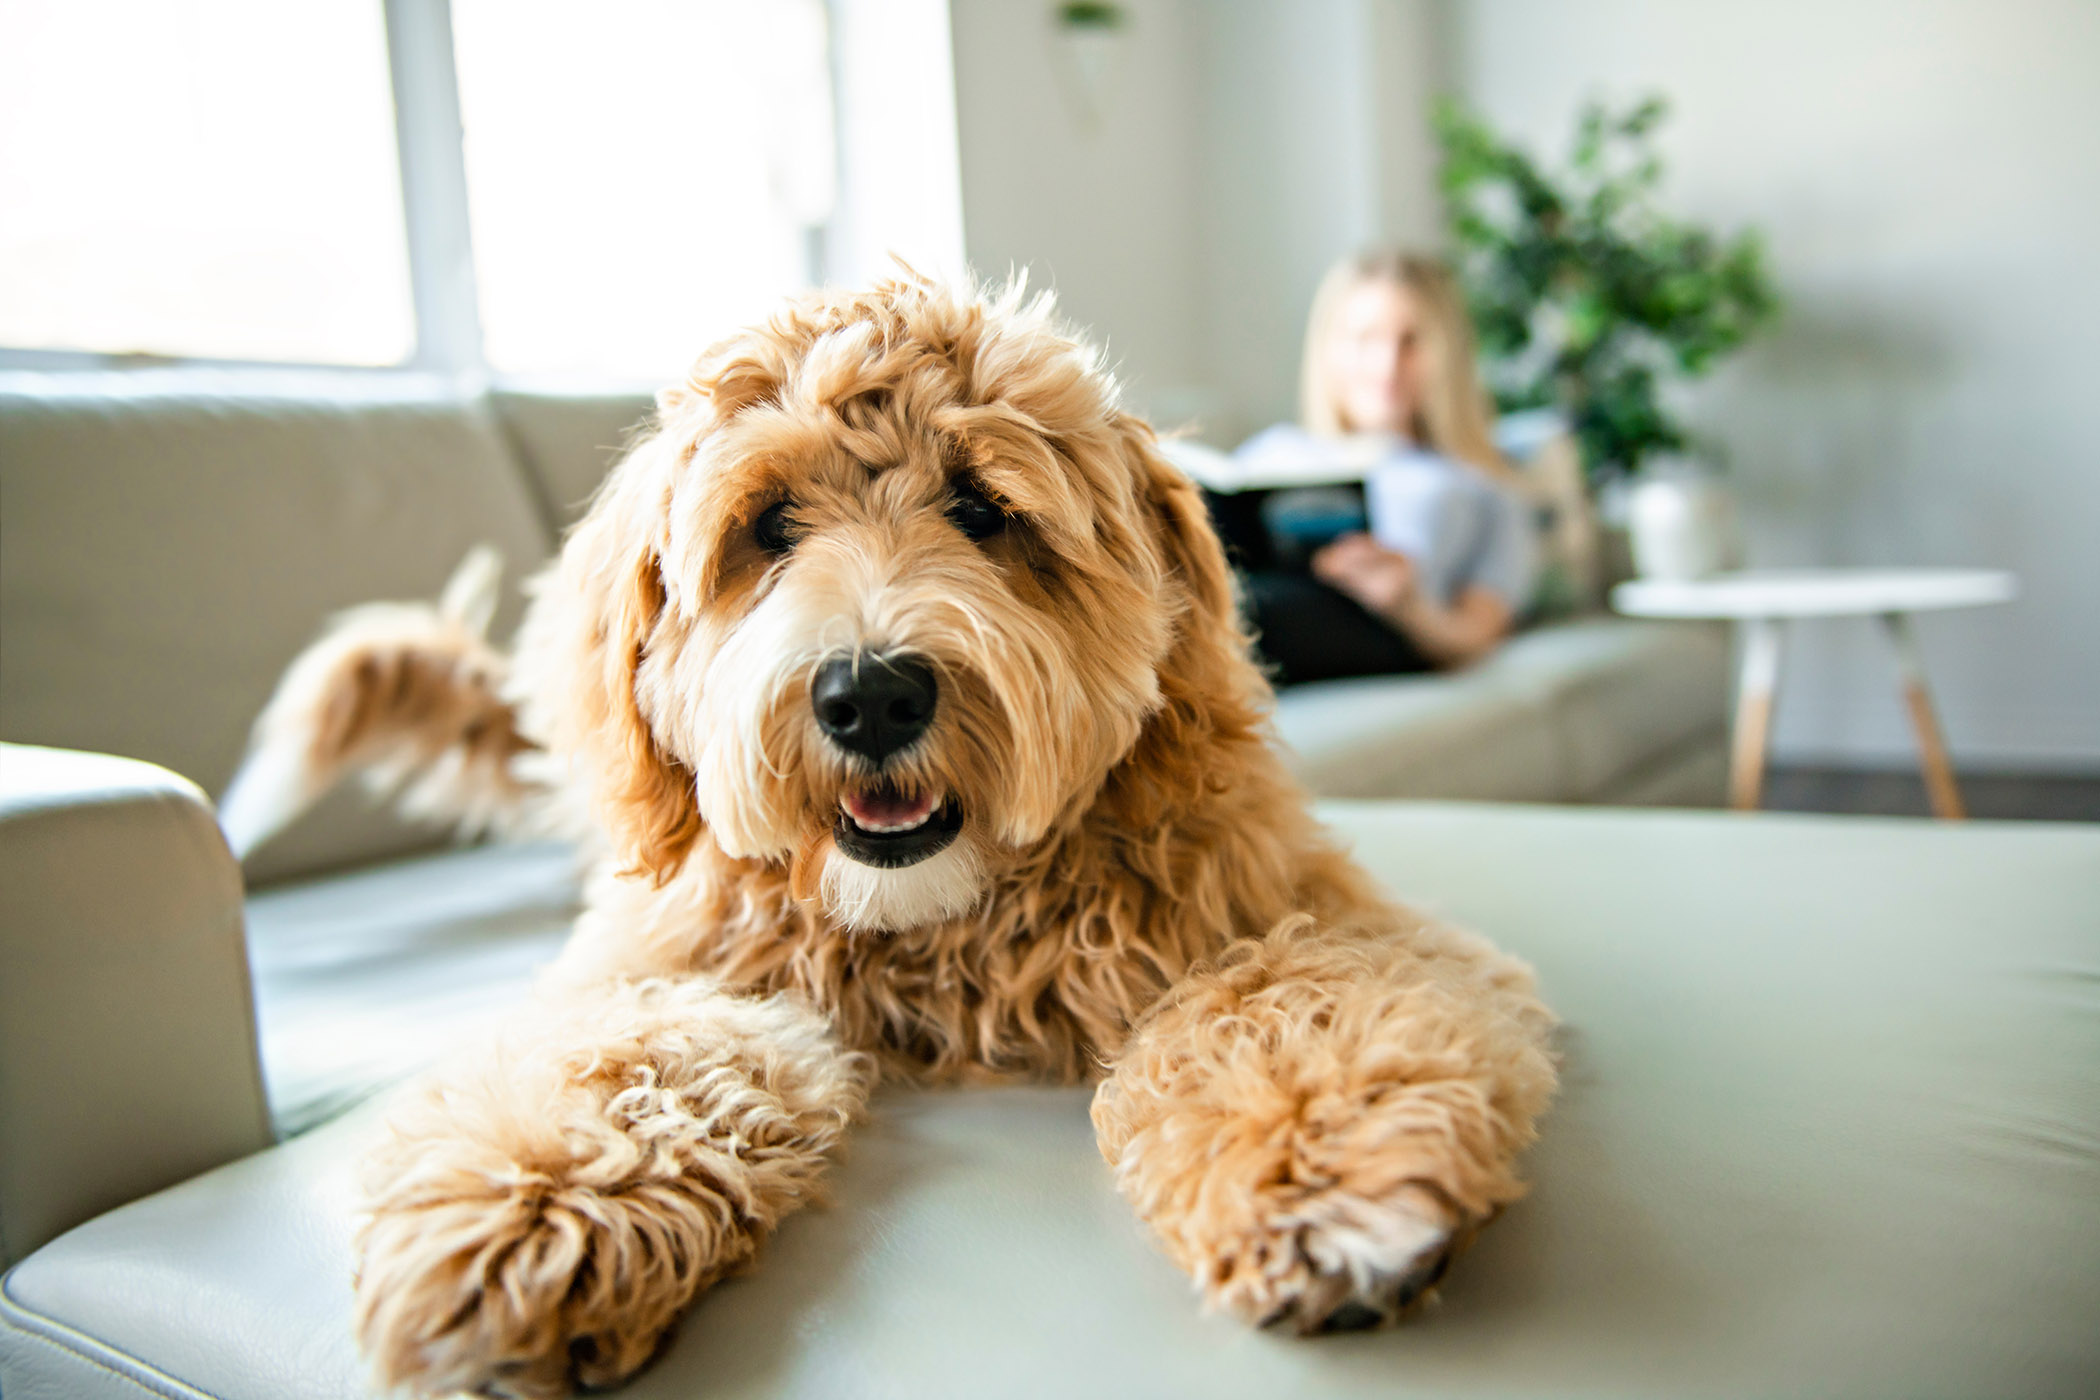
x=901, y=680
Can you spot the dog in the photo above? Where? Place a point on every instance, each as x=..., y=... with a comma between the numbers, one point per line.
x=899, y=681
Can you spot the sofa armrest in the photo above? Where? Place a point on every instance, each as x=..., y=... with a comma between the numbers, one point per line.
x=127, y=1032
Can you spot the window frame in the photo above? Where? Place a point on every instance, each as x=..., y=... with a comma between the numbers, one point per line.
x=430, y=155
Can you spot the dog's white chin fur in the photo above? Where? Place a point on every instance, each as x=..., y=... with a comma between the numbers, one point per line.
x=867, y=899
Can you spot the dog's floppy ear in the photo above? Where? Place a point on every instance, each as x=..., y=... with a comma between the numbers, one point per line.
x=597, y=612
x=1186, y=537
x=1213, y=695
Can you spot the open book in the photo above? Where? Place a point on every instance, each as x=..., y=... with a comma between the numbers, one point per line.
x=1337, y=462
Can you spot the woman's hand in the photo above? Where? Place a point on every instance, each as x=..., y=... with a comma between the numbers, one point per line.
x=1381, y=579
x=1454, y=634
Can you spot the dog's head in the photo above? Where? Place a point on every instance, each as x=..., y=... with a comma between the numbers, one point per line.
x=892, y=590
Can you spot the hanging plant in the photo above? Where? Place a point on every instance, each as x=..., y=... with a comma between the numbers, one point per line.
x=1090, y=16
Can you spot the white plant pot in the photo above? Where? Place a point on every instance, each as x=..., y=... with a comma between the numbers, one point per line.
x=1681, y=524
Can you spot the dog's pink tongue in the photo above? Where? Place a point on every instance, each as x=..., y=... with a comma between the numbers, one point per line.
x=888, y=808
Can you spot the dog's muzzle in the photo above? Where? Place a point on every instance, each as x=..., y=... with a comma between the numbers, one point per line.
x=876, y=706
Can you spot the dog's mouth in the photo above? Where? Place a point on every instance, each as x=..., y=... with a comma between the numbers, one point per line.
x=886, y=827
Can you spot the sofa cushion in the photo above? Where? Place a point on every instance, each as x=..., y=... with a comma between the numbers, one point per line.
x=1693, y=774
x=363, y=978
x=1456, y=736
x=1816, y=1136
x=567, y=442
x=1621, y=692
x=172, y=538
x=1567, y=712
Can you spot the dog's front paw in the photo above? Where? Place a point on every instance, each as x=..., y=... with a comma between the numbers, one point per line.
x=530, y=1288
x=540, y=1215
x=1333, y=1261
x=1318, y=1122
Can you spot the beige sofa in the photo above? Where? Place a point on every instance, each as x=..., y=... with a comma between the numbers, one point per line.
x=1830, y=1125
x=170, y=539
x=1817, y=1135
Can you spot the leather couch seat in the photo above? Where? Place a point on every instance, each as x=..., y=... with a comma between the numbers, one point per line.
x=364, y=977
x=1830, y=1126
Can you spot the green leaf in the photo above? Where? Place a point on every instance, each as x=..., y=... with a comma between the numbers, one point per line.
x=1630, y=291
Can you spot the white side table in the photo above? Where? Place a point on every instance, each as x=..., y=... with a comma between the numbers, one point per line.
x=1761, y=601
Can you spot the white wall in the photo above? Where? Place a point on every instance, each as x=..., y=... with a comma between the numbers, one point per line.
x=900, y=189
x=1929, y=177
x=1313, y=146
x=1242, y=145
x=1104, y=211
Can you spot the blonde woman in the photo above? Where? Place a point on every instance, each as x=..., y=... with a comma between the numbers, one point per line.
x=1389, y=396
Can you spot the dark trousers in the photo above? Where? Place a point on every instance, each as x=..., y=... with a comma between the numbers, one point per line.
x=1306, y=631
x=1303, y=630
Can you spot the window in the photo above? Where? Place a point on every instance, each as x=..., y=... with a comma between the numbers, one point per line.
x=590, y=191
x=201, y=180
x=640, y=174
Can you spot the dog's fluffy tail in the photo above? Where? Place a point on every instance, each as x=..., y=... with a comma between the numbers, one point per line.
x=409, y=696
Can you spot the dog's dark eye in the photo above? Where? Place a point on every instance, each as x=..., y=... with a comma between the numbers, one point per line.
x=977, y=515
x=775, y=529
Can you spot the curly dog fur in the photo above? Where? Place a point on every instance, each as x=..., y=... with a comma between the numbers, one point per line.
x=1312, y=1095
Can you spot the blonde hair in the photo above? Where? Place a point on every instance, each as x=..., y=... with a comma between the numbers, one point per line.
x=1453, y=416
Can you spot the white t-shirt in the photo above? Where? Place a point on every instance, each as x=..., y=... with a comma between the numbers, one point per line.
x=1460, y=528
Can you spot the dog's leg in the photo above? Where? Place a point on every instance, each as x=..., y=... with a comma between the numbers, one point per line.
x=1317, y=1122
x=540, y=1215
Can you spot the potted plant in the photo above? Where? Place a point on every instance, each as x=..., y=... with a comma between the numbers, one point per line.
x=1588, y=300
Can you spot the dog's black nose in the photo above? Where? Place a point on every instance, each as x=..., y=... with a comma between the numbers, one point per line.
x=874, y=705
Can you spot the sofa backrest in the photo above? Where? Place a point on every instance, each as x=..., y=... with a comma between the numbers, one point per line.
x=567, y=441
x=170, y=539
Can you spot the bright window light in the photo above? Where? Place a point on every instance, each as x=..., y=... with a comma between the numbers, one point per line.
x=215, y=178
x=643, y=176
x=900, y=185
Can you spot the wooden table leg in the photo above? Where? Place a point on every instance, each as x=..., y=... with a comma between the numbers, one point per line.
x=1917, y=696
x=1753, y=712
